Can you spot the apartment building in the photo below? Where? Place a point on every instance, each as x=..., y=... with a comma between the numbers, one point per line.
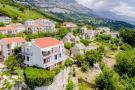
x=9, y=44
x=44, y=52
x=40, y=25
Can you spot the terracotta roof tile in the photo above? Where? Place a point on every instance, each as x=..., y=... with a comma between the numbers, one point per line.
x=7, y=28
x=13, y=39
x=46, y=42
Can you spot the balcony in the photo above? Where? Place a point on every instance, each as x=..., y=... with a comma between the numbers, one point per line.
x=27, y=53
x=53, y=62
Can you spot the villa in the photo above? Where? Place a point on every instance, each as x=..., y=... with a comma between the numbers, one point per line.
x=40, y=25
x=69, y=38
x=9, y=44
x=44, y=52
x=12, y=29
x=69, y=25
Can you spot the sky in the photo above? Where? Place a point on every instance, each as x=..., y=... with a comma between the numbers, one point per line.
x=119, y=7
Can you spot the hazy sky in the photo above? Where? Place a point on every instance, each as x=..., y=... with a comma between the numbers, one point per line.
x=120, y=7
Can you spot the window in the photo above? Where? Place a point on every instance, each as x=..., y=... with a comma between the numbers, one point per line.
x=8, y=46
x=28, y=58
x=60, y=55
x=46, y=60
x=55, y=57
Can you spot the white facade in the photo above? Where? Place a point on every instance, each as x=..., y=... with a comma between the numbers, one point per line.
x=7, y=48
x=5, y=19
x=12, y=29
x=104, y=29
x=48, y=57
x=69, y=38
x=40, y=25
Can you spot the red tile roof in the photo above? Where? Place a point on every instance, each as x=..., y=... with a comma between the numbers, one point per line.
x=13, y=39
x=7, y=28
x=46, y=42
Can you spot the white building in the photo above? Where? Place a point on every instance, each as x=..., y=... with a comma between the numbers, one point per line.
x=9, y=44
x=12, y=29
x=104, y=29
x=114, y=34
x=5, y=19
x=69, y=38
x=87, y=34
x=40, y=25
x=44, y=52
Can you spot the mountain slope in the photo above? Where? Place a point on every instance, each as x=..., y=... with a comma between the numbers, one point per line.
x=66, y=10
x=113, y=16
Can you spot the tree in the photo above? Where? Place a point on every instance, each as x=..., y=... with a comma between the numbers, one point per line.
x=2, y=24
x=104, y=38
x=93, y=56
x=68, y=45
x=128, y=36
x=108, y=80
x=68, y=62
x=62, y=32
x=85, y=42
x=126, y=47
x=80, y=60
x=125, y=63
x=2, y=36
x=11, y=62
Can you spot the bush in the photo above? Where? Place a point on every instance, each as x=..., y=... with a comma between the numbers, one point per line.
x=93, y=56
x=125, y=63
x=113, y=47
x=68, y=62
x=43, y=77
x=108, y=80
x=104, y=38
x=68, y=45
x=128, y=36
x=85, y=42
x=70, y=85
x=85, y=66
x=126, y=47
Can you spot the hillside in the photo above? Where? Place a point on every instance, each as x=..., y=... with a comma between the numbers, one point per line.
x=20, y=13
x=21, y=10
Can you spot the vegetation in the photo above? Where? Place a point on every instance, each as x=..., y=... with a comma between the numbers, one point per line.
x=125, y=63
x=128, y=36
x=126, y=47
x=68, y=62
x=108, y=80
x=2, y=36
x=85, y=42
x=84, y=85
x=42, y=78
x=14, y=61
x=70, y=85
x=68, y=45
x=104, y=38
x=89, y=59
x=2, y=24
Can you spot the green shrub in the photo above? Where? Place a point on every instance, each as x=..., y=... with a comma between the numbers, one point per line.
x=126, y=47
x=43, y=77
x=68, y=45
x=70, y=85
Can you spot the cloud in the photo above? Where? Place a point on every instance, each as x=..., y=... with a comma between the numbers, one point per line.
x=120, y=7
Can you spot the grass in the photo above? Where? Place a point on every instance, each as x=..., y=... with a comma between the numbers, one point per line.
x=16, y=13
x=84, y=86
